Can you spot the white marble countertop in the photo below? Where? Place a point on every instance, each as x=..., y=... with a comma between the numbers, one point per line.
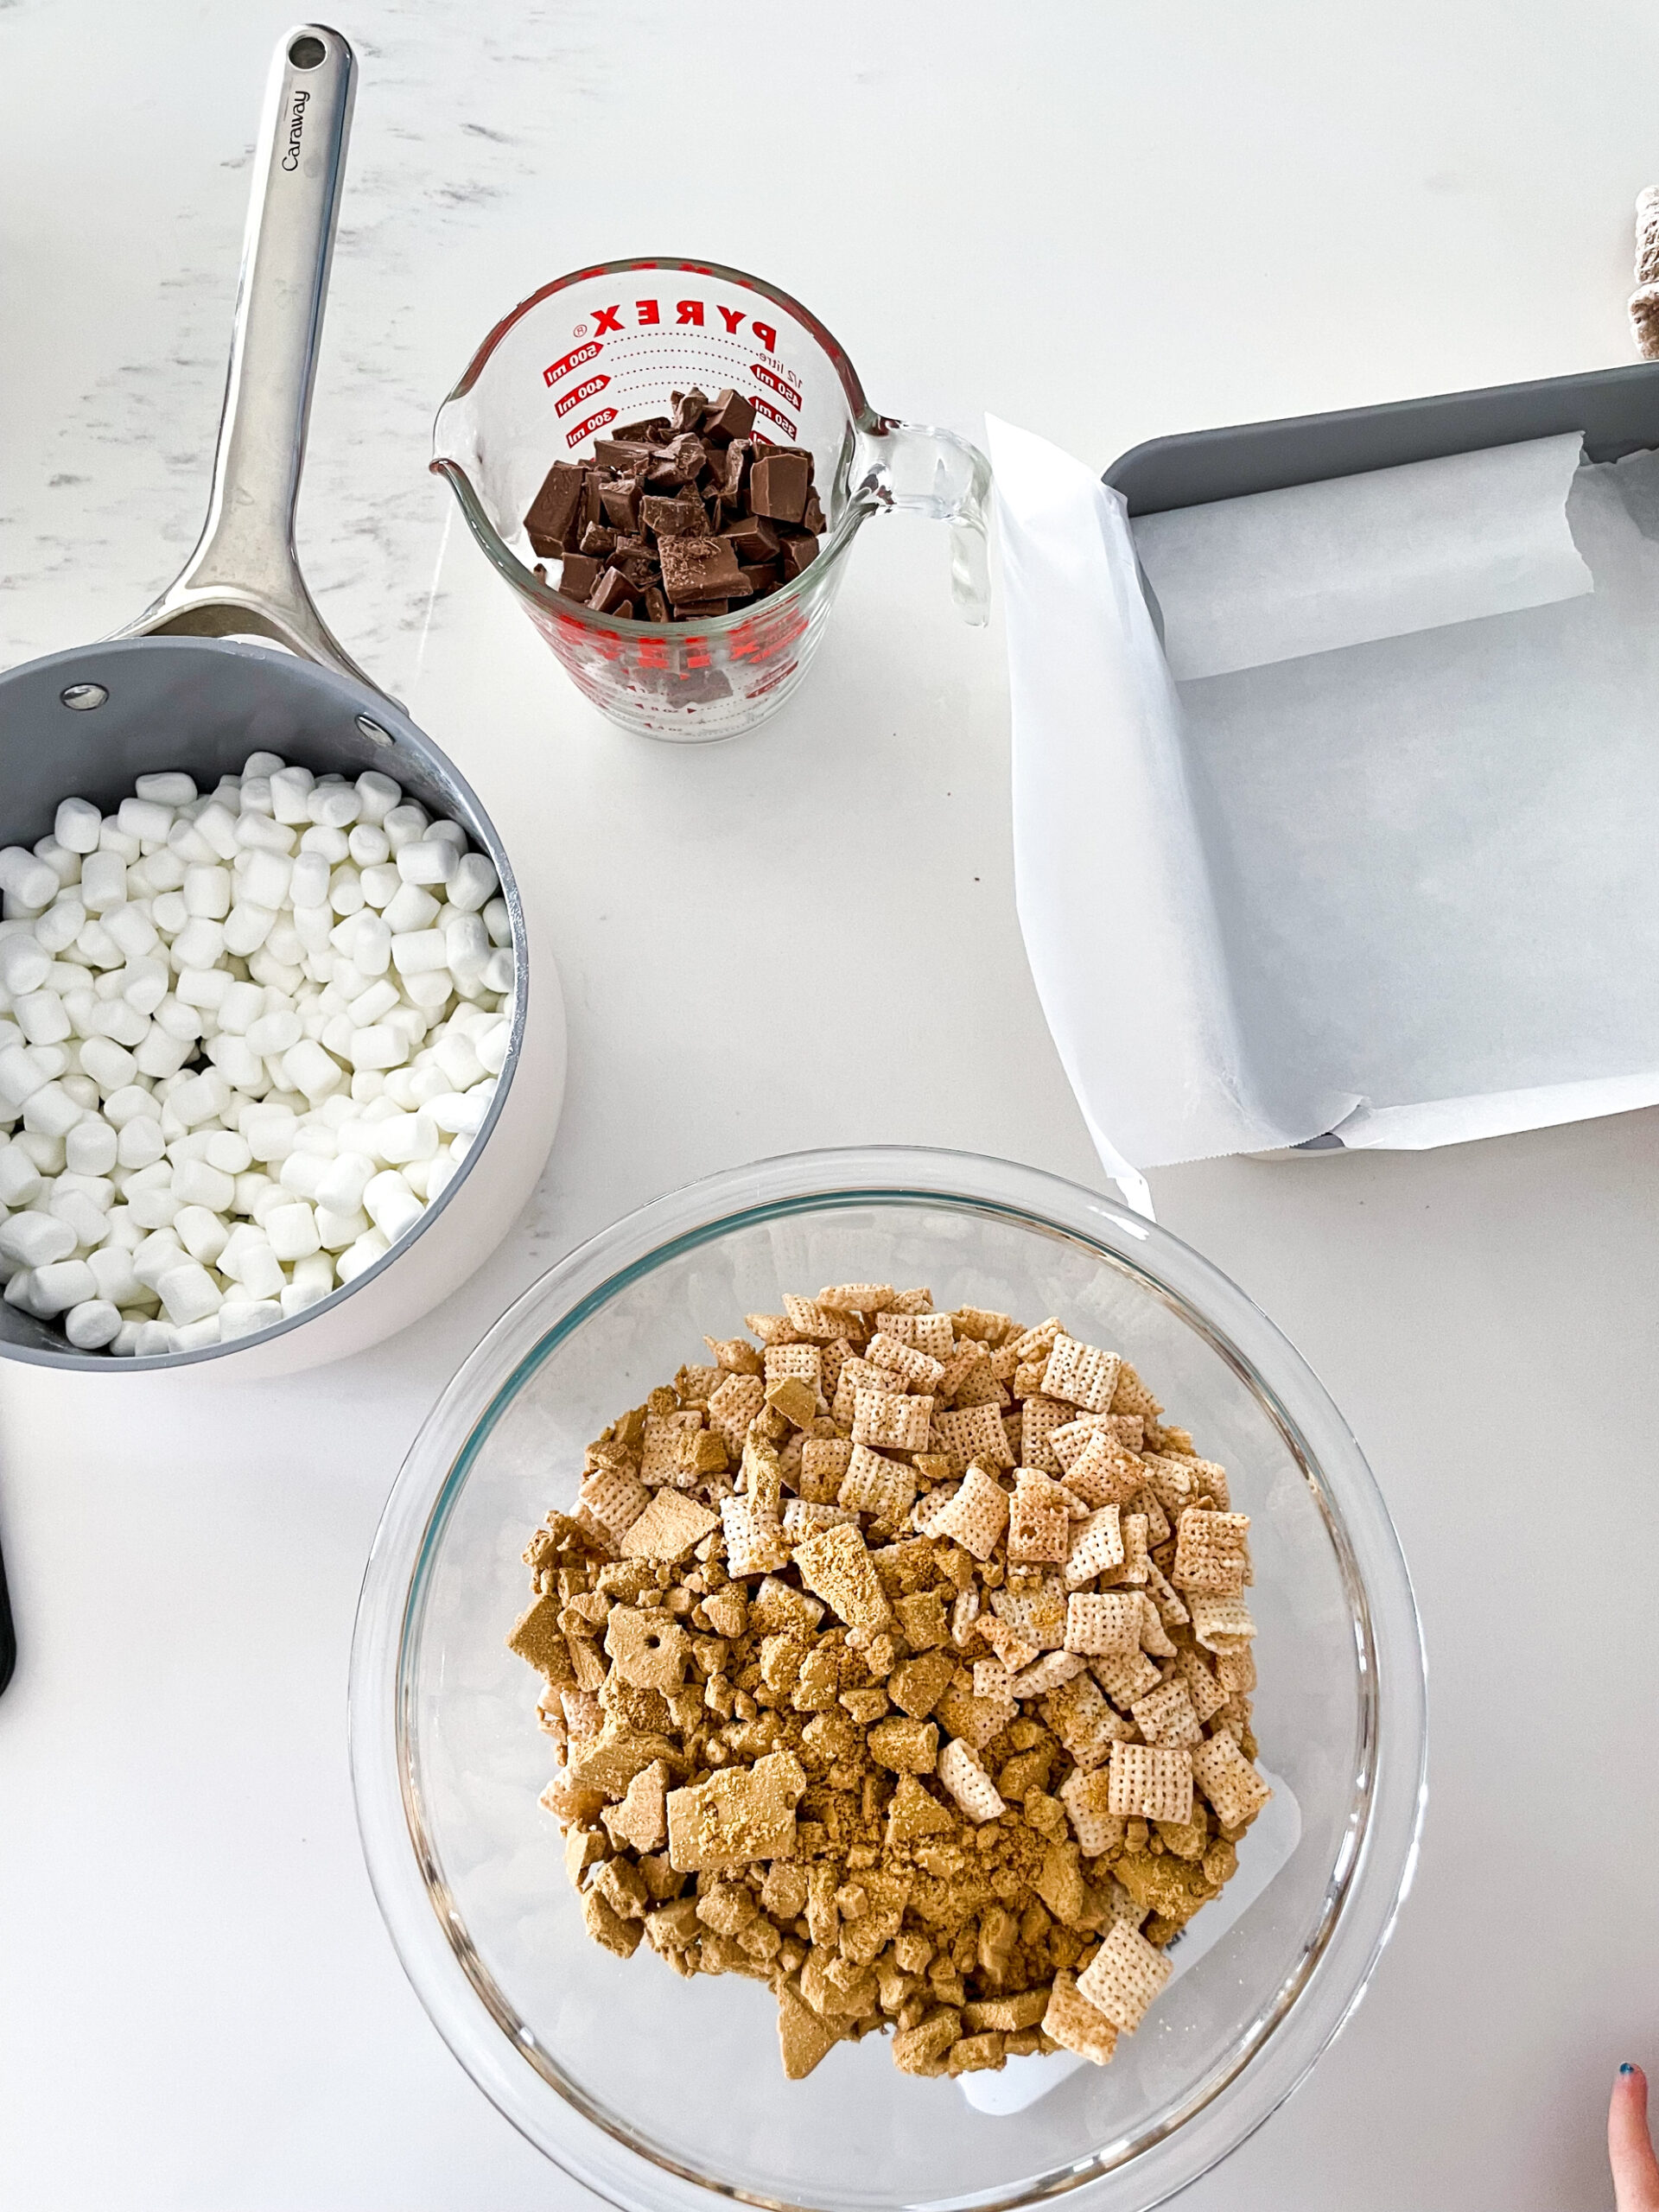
x=1103, y=220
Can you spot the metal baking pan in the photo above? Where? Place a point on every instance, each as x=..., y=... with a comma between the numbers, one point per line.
x=1617, y=410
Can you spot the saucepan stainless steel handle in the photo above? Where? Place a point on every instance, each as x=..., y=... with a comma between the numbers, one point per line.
x=244, y=574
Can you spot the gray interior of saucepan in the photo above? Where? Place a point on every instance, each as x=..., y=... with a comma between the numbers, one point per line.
x=203, y=705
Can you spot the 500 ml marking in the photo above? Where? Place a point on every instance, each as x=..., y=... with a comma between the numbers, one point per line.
x=296, y=129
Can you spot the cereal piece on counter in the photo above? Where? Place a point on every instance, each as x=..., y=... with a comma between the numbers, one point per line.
x=963, y=1772
x=884, y=1417
x=668, y=1528
x=1070, y=2020
x=1221, y=1625
x=737, y=1816
x=1230, y=1781
x=1124, y=1976
x=1104, y=1623
x=976, y=1515
x=1210, y=1552
x=1151, y=1781
x=836, y=1565
x=1081, y=1374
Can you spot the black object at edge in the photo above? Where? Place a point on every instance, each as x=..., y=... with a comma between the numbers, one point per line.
x=8, y=1636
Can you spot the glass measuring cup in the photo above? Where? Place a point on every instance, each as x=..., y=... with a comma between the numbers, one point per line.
x=609, y=344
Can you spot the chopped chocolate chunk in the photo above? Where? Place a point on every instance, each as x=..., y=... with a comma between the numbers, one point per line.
x=700, y=610
x=656, y=605
x=798, y=553
x=649, y=430
x=549, y=523
x=635, y=561
x=737, y=460
x=753, y=538
x=620, y=501
x=688, y=408
x=778, y=483
x=812, y=516
x=632, y=456
x=697, y=568
x=675, y=517
x=597, y=540
x=613, y=594
x=761, y=575
x=578, y=575
x=681, y=461
x=730, y=416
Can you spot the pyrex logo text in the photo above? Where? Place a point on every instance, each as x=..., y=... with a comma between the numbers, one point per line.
x=686, y=312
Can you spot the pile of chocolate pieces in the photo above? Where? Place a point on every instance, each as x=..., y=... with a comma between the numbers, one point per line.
x=680, y=517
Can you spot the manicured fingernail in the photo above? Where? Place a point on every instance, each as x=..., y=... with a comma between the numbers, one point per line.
x=1627, y=2067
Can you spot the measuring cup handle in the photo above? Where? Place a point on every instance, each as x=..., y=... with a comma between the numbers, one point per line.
x=923, y=471
x=243, y=573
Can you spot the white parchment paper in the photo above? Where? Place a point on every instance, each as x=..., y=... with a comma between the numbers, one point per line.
x=1401, y=885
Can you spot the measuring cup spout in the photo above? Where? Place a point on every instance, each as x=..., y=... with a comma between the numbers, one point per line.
x=244, y=574
x=921, y=470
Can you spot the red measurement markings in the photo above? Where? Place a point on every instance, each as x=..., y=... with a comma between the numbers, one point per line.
x=555, y=372
x=784, y=390
x=577, y=393
x=586, y=427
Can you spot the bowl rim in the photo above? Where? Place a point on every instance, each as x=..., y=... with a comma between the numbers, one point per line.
x=1376, y=1860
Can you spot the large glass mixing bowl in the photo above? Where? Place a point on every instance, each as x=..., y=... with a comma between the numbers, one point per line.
x=665, y=2095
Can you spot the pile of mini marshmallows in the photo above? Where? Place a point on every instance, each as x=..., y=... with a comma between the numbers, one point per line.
x=246, y=1038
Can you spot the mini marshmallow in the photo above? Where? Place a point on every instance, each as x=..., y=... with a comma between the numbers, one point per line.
x=28, y=879
x=36, y=1238
x=25, y=964
x=242, y=1316
x=61, y=1284
x=202, y=1233
x=410, y=909
x=92, y=1324
x=169, y=787
x=292, y=1230
x=426, y=861
x=189, y=1293
x=92, y=1147
x=76, y=825
x=367, y=1248
x=390, y=1204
